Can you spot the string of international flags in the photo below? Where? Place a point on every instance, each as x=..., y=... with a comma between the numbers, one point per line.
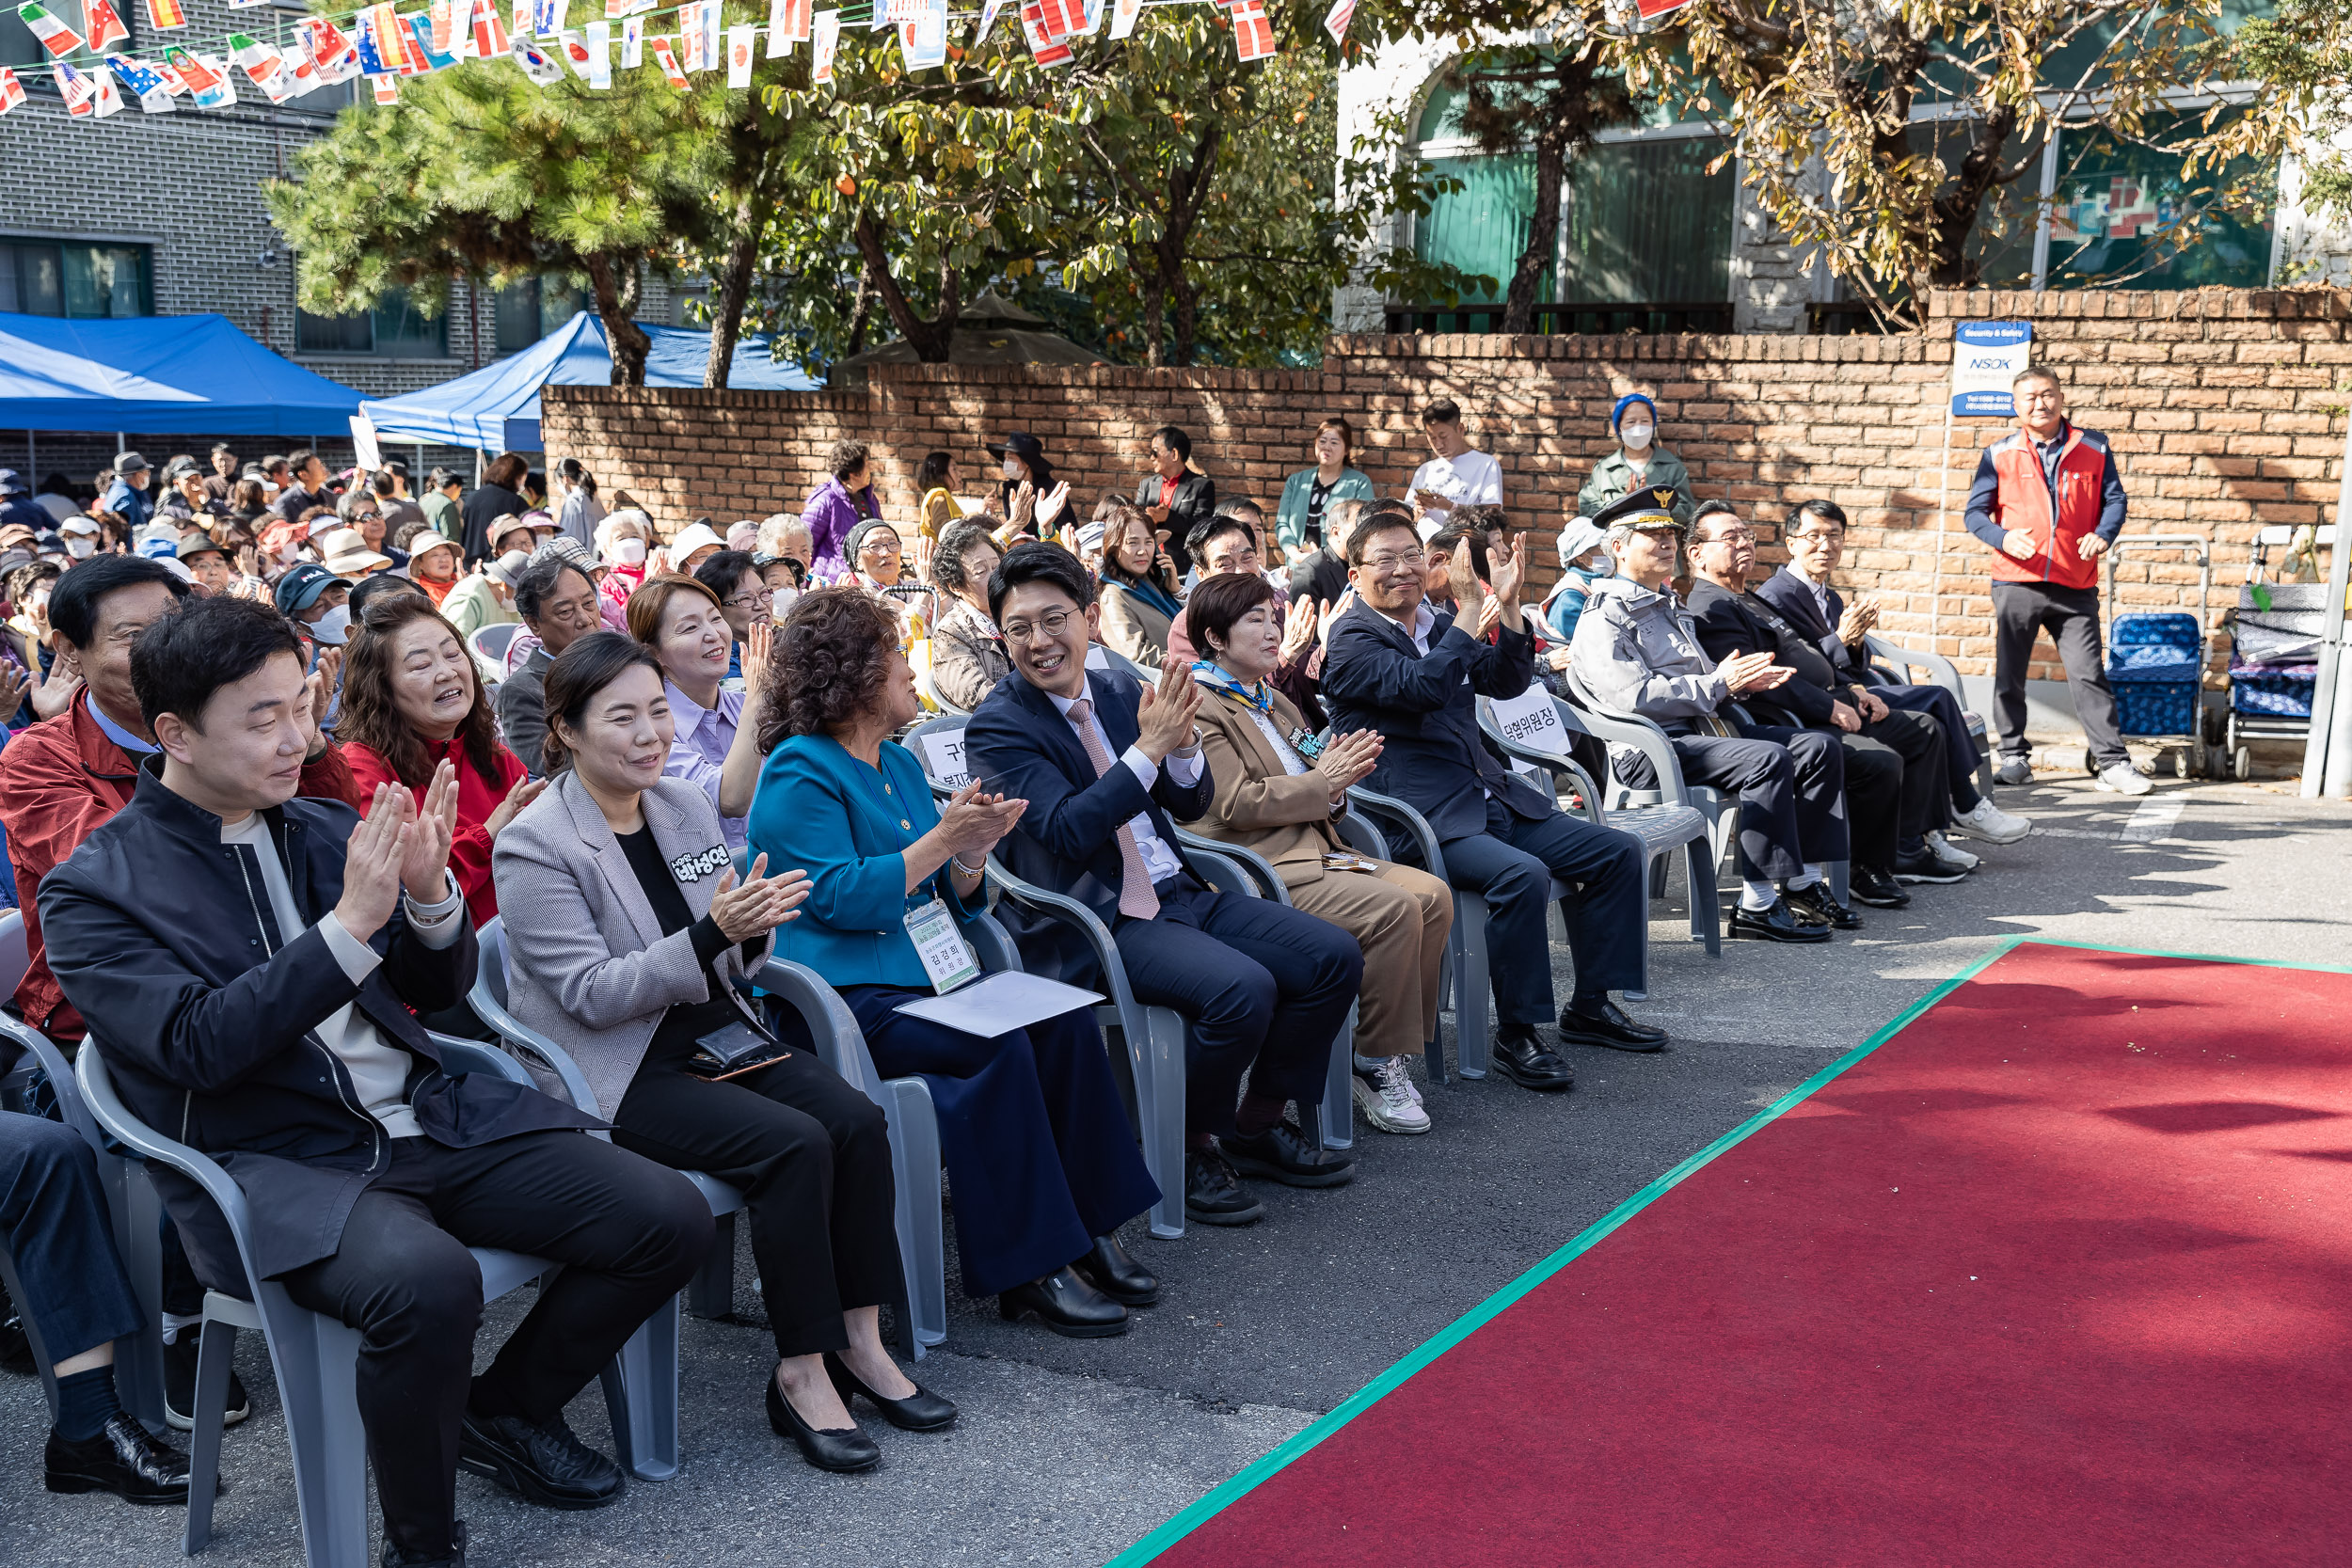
x=382, y=44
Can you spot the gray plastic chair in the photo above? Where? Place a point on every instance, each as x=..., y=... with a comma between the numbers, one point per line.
x=1466, y=982
x=1153, y=1037
x=315, y=1358
x=1662, y=829
x=840, y=1044
x=1904, y=662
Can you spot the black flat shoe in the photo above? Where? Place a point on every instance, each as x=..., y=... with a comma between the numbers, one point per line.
x=921, y=1411
x=1877, y=889
x=1608, y=1025
x=16, y=1349
x=1213, y=1194
x=1520, y=1056
x=1924, y=867
x=844, y=1452
x=179, y=1386
x=1283, y=1154
x=1821, y=907
x=395, y=1557
x=1773, y=925
x=125, y=1459
x=1064, y=1303
x=543, y=1463
x=1110, y=1269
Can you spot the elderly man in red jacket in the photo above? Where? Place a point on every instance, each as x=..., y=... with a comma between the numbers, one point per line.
x=2049, y=501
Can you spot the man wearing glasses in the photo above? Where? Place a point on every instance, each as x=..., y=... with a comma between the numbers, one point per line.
x=1415, y=675
x=559, y=603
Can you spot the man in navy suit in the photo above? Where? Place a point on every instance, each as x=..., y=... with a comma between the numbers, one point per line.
x=1393, y=665
x=1801, y=590
x=1104, y=763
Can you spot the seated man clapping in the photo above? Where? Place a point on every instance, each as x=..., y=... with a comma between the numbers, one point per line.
x=1636, y=651
x=251, y=965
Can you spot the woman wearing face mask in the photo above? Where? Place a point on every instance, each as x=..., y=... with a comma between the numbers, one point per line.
x=623, y=541
x=1023, y=460
x=1639, y=463
x=1582, y=560
x=411, y=701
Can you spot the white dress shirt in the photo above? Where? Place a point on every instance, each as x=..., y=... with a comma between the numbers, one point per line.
x=378, y=1068
x=1159, y=856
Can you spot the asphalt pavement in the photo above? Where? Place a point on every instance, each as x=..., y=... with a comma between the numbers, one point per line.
x=1070, y=1450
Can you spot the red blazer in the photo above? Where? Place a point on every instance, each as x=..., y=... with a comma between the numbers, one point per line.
x=477, y=798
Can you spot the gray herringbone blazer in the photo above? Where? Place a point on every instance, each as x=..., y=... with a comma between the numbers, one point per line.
x=588, y=966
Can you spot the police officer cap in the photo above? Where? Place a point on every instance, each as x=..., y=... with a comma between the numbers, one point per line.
x=1651, y=506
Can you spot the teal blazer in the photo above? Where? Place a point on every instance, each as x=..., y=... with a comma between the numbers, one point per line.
x=1290, y=518
x=822, y=811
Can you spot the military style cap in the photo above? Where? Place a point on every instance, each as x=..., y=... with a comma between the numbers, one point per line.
x=1649, y=507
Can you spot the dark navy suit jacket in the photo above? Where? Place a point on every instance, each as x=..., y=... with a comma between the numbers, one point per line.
x=1788, y=594
x=1068, y=841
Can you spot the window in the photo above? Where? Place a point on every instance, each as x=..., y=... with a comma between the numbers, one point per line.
x=1647, y=224
x=2122, y=216
x=395, y=329
x=68, y=278
x=18, y=46
x=528, y=311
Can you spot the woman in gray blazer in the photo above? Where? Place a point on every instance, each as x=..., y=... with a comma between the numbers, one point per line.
x=628, y=939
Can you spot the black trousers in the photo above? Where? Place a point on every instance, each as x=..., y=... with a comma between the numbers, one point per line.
x=1791, y=786
x=812, y=1155
x=1894, y=786
x=2021, y=610
x=1511, y=865
x=1264, y=989
x=629, y=1233
x=1959, y=748
x=53, y=1221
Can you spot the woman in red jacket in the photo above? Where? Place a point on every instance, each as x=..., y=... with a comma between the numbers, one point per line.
x=410, y=699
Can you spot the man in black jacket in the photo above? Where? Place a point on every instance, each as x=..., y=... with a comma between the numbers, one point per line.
x=1104, y=764
x=1894, y=761
x=248, y=962
x=1176, y=498
x=1392, y=664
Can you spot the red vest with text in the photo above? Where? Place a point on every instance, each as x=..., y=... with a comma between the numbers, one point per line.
x=2023, y=505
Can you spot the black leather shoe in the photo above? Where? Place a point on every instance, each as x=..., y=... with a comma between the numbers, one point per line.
x=543, y=1463
x=1520, y=1056
x=844, y=1452
x=1213, y=1195
x=1776, y=924
x=1110, y=1269
x=1821, y=907
x=1877, y=889
x=395, y=1557
x=125, y=1459
x=1064, y=1303
x=1924, y=867
x=921, y=1411
x=1283, y=1154
x=16, y=1348
x=1607, y=1026
x=179, y=1386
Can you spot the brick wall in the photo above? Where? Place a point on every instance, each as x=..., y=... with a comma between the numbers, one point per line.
x=2225, y=409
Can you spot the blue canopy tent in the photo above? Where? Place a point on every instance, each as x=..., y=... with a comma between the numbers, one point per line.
x=159, y=375
x=497, y=407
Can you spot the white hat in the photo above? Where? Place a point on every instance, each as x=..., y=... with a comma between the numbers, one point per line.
x=345, y=553
x=1580, y=538
x=81, y=522
x=694, y=537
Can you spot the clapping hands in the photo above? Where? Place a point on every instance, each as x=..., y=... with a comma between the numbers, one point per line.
x=1348, y=758
x=760, y=904
x=1165, y=716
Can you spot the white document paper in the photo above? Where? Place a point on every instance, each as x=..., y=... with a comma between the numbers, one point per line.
x=1533, y=720
x=364, y=442
x=1001, y=1003
x=943, y=754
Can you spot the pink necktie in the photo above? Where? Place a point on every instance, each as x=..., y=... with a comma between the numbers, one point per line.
x=1136, y=898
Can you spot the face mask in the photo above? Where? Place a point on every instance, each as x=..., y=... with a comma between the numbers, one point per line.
x=1012, y=467
x=629, y=552
x=334, y=627
x=81, y=548
x=781, y=605
x=1635, y=437
x=288, y=550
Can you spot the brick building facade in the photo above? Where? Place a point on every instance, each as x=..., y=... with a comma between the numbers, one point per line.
x=2225, y=408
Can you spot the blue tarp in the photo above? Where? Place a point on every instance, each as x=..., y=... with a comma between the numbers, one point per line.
x=159, y=375
x=497, y=407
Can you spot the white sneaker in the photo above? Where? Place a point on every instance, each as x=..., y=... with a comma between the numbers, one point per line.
x=1990, y=823
x=1386, y=1093
x=2123, y=778
x=1958, y=859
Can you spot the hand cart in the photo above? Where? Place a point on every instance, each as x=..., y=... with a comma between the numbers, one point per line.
x=2156, y=658
x=2275, y=634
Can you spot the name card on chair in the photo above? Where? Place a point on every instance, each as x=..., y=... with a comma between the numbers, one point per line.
x=943, y=754
x=1532, y=720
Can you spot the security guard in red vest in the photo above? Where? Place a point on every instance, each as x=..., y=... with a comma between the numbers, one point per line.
x=2049, y=502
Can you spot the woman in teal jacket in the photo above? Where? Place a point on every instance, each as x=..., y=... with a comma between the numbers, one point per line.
x=1307, y=495
x=1036, y=1143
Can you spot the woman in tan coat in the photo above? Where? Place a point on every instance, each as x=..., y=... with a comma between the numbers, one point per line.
x=1279, y=794
x=1139, y=599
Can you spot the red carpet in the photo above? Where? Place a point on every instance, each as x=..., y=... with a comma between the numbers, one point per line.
x=2041, y=1279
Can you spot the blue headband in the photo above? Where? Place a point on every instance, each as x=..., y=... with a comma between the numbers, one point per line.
x=1616, y=415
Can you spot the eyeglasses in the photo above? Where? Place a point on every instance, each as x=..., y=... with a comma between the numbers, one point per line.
x=1731, y=536
x=752, y=600
x=1053, y=624
x=879, y=546
x=1383, y=564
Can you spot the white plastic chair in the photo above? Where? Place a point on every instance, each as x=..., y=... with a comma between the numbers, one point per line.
x=488, y=646
x=315, y=1358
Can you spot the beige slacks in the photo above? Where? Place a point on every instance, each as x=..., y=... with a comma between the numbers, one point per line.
x=1401, y=918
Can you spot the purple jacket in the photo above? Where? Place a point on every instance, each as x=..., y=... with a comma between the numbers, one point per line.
x=830, y=514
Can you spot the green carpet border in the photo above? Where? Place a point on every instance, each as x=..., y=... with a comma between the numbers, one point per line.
x=1215, y=1502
